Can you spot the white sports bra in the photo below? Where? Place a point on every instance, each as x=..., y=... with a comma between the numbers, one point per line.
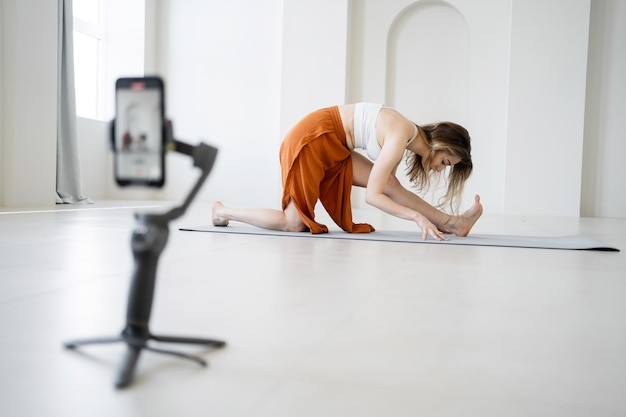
x=365, y=117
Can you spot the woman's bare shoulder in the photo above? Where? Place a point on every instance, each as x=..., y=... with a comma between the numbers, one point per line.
x=392, y=122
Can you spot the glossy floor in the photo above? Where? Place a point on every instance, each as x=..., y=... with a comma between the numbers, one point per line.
x=314, y=327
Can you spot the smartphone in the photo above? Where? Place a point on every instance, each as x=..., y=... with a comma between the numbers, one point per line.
x=139, y=132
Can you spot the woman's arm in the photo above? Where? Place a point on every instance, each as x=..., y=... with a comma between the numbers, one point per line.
x=397, y=132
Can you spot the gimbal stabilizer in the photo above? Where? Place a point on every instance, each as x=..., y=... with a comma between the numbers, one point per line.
x=148, y=241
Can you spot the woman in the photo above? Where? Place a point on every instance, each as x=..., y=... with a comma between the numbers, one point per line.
x=318, y=162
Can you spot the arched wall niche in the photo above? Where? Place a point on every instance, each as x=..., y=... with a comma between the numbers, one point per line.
x=423, y=82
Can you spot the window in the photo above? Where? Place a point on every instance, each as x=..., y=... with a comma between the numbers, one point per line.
x=88, y=47
x=108, y=44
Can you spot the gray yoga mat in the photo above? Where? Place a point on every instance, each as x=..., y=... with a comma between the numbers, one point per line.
x=574, y=242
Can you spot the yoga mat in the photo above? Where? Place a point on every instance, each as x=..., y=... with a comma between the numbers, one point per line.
x=574, y=242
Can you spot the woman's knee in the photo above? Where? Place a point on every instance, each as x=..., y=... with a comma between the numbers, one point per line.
x=295, y=227
x=293, y=222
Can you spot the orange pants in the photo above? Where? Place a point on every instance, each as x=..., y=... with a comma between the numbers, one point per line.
x=317, y=165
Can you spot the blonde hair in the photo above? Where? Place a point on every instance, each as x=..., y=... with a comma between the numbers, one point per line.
x=454, y=140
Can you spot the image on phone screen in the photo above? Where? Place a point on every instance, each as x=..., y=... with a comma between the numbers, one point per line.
x=139, y=153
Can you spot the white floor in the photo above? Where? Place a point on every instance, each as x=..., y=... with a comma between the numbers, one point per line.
x=315, y=327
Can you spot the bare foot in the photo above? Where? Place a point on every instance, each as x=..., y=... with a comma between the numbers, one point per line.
x=218, y=219
x=462, y=224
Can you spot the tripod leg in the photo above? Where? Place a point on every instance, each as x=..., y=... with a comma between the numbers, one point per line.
x=196, y=359
x=188, y=340
x=125, y=372
x=75, y=343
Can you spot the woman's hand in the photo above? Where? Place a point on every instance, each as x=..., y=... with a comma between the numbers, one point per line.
x=428, y=228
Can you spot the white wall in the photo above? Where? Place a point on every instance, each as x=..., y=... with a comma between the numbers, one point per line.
x=29, y=102
x=228, y=67
x=546, y=106
x=2, y=153
x=239, y=74
x=222, y=64
x=603, y=188
x=93, y=153
x=314, y=52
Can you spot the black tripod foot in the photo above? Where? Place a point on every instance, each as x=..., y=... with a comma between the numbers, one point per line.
x=95, y=341
x=127, y=367
x=188, y=340
x=136, y=340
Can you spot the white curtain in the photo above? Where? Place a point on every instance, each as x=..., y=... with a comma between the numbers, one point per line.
x=69, y=184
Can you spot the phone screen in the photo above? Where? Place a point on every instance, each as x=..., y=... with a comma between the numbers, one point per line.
x=139, y=132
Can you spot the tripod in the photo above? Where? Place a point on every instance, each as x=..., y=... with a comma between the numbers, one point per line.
x=148, y=241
